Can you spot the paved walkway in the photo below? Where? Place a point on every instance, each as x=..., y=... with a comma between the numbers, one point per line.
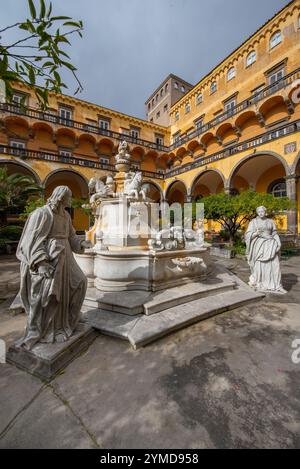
x=226, y=382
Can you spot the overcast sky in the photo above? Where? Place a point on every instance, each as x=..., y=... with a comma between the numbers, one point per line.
x=130, y=46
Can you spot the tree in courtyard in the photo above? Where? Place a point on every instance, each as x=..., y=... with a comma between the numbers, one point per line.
x=233, y=212
x=15, y=190
x=37, y=56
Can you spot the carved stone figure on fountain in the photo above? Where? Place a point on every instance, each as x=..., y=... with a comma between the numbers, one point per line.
x=123, y=157
x=99, y=190
x=133, y=185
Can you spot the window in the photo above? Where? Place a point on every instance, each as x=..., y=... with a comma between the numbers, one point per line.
x=149, y=107
x=187, y=108
x=275, y=76
x=165, y=108
x=213, y=87
x=161, y=92
x=199, y=98
x=199, y=123
x=177, y=115
x=19, y=99
x=158, y=115
x=104, y=123
x=17, y=146
x=176, y=85
x=104, y=160
x=251, y=58
x=159, y=139
x=151, y=120
x=166, y=87
x=64, y=152
x=231, y=74
x=65, y=115
x=278, y=188
x=157, y=96
x=275, y=39
x=135, y=133
x=152, y=102
x=229, y=105
x=183, y=89
x=176, y=137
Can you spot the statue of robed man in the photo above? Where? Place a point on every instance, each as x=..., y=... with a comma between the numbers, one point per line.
x=52, y=286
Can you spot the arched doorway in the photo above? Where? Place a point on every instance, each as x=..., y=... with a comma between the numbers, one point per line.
x=207, y=183
x=16, y=191
x=264, y=173
x=154, y=192
x=79, y=187
x=176, y=192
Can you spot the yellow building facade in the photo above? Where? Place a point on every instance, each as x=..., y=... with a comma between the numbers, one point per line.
x=237, y=128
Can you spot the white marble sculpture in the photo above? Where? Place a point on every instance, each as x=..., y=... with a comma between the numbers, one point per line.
x=52, y=286
x=99, y=190
x=133, y=185
x=263, y=247
x=123, y=155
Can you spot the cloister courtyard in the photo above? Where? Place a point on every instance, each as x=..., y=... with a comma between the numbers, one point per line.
x=226, y=382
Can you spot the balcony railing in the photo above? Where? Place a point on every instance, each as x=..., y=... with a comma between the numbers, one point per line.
x=15, y=109
x=24, y=153
x=255, y=98
x=254, y=142
x=85, y=127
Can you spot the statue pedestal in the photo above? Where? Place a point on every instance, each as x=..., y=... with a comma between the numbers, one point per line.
x=46, y=360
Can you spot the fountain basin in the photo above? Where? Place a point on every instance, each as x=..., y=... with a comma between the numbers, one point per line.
x=125, y=270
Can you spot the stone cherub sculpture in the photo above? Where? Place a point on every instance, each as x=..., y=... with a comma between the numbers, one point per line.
x=263, y=247
x=52, y=286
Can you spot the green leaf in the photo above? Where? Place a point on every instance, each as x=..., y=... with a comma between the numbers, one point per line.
x=57, y=18
x=43, y=9
x=72, y=23
x=49, y=10
x=32, y=9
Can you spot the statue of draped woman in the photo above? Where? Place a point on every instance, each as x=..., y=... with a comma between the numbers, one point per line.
x=52, y=287
x=263, y=248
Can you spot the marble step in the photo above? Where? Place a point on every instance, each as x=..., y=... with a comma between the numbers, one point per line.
x=137, y=302
x=142, y=329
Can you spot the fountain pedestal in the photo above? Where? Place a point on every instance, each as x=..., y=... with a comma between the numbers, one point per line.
x=145, y=282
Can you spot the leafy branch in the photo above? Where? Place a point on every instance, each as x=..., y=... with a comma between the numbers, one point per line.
x=47, y=36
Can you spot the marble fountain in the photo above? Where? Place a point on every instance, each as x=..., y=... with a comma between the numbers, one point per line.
x=146, y=280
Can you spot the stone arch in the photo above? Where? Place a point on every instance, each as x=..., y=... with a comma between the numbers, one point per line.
x=176, y=191
x=156, y=193
x=217, y=181
x=79, y=187
x=25, y=169
x=257, y=154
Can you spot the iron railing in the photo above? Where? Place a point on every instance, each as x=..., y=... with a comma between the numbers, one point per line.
x=77, y=160
x=20, y=110
x=254, y=142
x=255, y=98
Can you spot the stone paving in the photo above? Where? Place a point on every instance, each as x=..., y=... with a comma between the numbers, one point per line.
x=227, y=382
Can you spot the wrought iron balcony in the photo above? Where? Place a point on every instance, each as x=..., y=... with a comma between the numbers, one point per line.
x=253, y=99
x=79, y=160
x=254, y=142
x=11, y=108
